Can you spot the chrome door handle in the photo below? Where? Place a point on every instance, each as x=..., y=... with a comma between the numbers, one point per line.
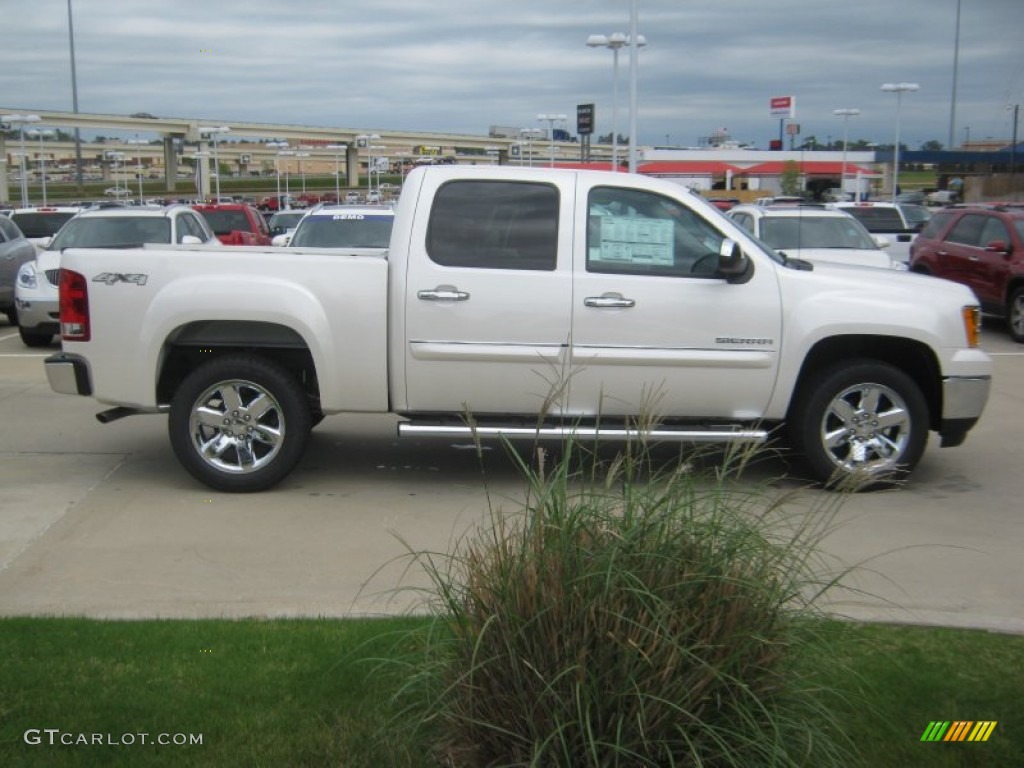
x=609, y=300
x=443, y=293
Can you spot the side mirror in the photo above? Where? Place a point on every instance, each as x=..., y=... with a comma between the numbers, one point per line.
x=45, y=243
x=281, y=240
x=733, y=263
x=191, y=240
x=881, y=241
x=998, y=246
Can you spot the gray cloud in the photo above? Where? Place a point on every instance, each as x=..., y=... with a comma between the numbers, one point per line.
x=462, y=66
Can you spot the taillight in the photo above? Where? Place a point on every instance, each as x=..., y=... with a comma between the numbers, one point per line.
x=74, y=306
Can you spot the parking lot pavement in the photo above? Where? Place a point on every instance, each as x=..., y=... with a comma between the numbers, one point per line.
x=101, y=521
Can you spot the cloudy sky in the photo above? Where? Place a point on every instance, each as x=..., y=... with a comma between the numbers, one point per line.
x=461, y=66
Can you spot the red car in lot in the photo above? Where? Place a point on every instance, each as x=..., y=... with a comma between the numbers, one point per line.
x=236, y=223
x=981, y=246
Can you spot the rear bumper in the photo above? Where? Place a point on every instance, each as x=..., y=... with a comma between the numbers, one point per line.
x=68, y=374
x=963, y=400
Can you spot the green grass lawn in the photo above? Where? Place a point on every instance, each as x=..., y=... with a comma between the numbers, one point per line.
x=313, y=693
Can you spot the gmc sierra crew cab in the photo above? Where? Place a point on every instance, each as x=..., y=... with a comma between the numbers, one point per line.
x=540, y=302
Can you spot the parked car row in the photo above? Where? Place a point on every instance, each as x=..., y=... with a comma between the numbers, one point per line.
x=29, y=271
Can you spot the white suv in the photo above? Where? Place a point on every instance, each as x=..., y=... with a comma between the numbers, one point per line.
x=814, y=233
x=41, y=223
x=899, y=222
x=105, y=226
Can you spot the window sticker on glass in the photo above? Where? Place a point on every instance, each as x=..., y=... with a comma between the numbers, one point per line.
x=634, y=240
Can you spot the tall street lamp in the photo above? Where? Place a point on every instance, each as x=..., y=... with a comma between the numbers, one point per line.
x=41, y=134
x=137, y=142
x=287, y=170
x=615, y=41
x=21, y=121
x=551, y=120
x=338, y=149
x=215, y=132
x=846, y=113
x=634, y=77
x=278, y=145
x=899, y=89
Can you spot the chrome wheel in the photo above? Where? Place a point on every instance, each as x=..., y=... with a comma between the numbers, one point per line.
x=866, y=427
x=237, y=426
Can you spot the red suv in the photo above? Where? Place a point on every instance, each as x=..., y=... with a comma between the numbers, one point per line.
x=983, y=248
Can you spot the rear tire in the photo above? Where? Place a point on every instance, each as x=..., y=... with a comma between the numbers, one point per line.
x=1015, y=315
x=239, y=423
x=861, y=425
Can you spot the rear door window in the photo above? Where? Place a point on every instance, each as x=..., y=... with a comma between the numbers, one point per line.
x=494, y=225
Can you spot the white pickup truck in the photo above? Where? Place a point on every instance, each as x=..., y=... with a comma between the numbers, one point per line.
x=540, y=301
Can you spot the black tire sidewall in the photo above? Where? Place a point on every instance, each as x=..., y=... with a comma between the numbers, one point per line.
x=276, y=381
x=815, y=397
x=1015, y=297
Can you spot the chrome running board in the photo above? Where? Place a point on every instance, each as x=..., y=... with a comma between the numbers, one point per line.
x=667, y=434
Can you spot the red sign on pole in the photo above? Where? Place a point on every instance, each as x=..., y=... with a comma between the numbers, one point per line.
x=782, y=106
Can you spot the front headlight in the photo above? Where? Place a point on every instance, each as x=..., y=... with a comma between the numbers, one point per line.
x=27, y=275
x=971, y=316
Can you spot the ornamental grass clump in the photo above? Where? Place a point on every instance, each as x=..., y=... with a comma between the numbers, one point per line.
x=624, y=617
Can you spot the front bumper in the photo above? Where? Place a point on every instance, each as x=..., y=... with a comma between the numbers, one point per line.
x=963, y=400
x=68, y=374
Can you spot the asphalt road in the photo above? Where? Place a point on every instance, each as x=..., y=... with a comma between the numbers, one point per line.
x=100, y=520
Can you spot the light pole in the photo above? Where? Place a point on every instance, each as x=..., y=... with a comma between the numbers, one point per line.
x=846, y=113
x=634, y=76
x=615, y=41
x=115, y=156
x=1013, y=151
x=20, y=121
x=899, y=89
x=278, y=145
x=302, y=171
x=551, y=120
x=528, y=134
x=215, y=132
x=287, y=190
x=366, y=140
x=338, y=150
x=42, y=155
x=138, y=163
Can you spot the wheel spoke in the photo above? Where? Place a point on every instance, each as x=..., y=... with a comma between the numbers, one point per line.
x=259, y=406
x=209, y=417
x=895, y=417
x=232, y=396
x=870, y=397
x=843, y=410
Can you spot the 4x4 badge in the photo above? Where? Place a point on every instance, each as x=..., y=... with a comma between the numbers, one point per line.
x=110, y=278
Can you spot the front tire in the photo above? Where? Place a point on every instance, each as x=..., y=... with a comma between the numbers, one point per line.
x=860, y=425
x=1015, y=316
x=239, y=423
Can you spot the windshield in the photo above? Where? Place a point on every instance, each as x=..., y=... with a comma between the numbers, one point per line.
x=41, y=224
x=791, y=232
x=344, y=230
x=286, y=220
x=226, y=222
x=112, y=232
x=915, y=214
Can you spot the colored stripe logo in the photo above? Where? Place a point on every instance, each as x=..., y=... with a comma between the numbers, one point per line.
x=959, y=730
